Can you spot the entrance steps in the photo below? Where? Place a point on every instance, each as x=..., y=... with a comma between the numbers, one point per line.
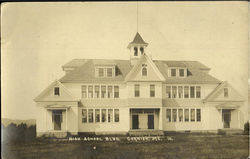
x=146, y=132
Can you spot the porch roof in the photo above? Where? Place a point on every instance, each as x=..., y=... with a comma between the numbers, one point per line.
x=57, y=107
x=227, y=106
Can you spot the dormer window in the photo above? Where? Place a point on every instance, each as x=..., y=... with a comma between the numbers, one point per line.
x=105, y=71
x=56, y=91
x=181, y=72
x=173, y=72
x=225, y=92
x=142, y=50
x=135, y=51
x=144, y=70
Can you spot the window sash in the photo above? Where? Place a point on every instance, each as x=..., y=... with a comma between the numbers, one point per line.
x=90, y=115
x=84, y=115
x=174, y=91
x=181, y=73
x=180, y=115
x=84, y=91
x=116, y=115
x=97, y=115
x=57, y=91
x=110, y=91
x=180, y=91
x=198, y=115
x=97, y=91
x=90, y=91
x=104, y=115
x=173, y=72
x=144, y=71
x=152, y=90
x=186, y=91
x=198, y=92
x=225, y=92
x=101, y=72
x=109, y=72
x=110, y=115
x=137, y=90
x=168, y=114
x=192, y=114
x=186, y=113
x=116, y=91
x=192, y=91
x=103, y=91
x=168, y=91
x=174, y=115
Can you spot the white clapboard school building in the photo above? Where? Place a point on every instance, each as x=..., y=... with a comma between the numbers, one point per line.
x=137, y=95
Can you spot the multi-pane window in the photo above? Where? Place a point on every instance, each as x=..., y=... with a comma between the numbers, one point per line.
x=174, y=91
x=84, y=91
x=180, y=115
x=97, y=115
x=198, y=114
x=192, y=92
x=103, y=115
x=110, y=91
x=116, y=115
x=168, y=115
x=90, y=91
x=181, y=72
x=57, y=91
x=180, y=91
x=186, y=112
x=186, y=92
x=174, y=115
x=109, y=72
x=103, y=91
x=152, y=90
x=90, y=115
x=137, y=90
x=225, y=92
x=116, y=91
x=101, y=72
x=192, y=114
x=97, y=91
x=173, y=72
x=198, y=92
x=84, y=115
x=142, y=50
x=110, y=115
x=168, y=91
x=144, y=70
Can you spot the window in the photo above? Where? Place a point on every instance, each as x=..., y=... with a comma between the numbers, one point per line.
x=198, y=114
x=103, y=115
x=142, y=50
x=103, y=91
x=97, y=91
x=116, y=115
x=192, y=113
x=186, y=114
x=90, y=91
x=152, y=90
x=110, y=115
x=174, y=91
x=97, y=115
x=173, y=72
x=101, y=72
x=181, y=72
x=174, y=115
x=57, y=91
x=180, y=91
x=137, y=90
x=84, y=115
x=109, y=72
x=135, y=51
x=116, y=91
x=192, y=93
x=168, y=91
x=144, y=70
x=90, y=115
x=186, y=92
x=169, y=115
x=110, y=92
x=198, y=92
x=84, y=91
x=180, y=114
x=225, y=92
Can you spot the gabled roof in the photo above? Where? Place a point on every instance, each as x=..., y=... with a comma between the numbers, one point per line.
x=214, y=95
x=151, y=63
x=67, y=97
x=85, y=72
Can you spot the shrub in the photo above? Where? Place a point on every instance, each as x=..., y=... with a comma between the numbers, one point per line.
x=221, y=132
x=246, y=128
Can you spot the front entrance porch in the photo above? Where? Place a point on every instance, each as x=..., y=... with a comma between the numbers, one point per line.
x=144, y=119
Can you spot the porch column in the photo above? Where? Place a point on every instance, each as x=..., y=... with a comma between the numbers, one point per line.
x=160, y=119
x=66, y=114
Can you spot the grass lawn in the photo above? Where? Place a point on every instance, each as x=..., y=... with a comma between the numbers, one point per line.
x=184, y=146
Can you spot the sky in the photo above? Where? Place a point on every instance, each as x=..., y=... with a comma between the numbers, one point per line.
x=38, y=38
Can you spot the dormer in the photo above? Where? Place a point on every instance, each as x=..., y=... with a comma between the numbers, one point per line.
x=137, y=48
x=177, y=72
x=105, y=70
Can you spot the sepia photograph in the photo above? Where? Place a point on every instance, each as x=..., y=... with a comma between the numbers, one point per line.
x=125, y=80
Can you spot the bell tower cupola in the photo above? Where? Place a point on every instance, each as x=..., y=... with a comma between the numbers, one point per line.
x=137, y=48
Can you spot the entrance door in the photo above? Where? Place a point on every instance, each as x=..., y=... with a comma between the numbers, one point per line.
x=57, y=119
x=135, y=122
x=150, y=121
x=226, y=115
